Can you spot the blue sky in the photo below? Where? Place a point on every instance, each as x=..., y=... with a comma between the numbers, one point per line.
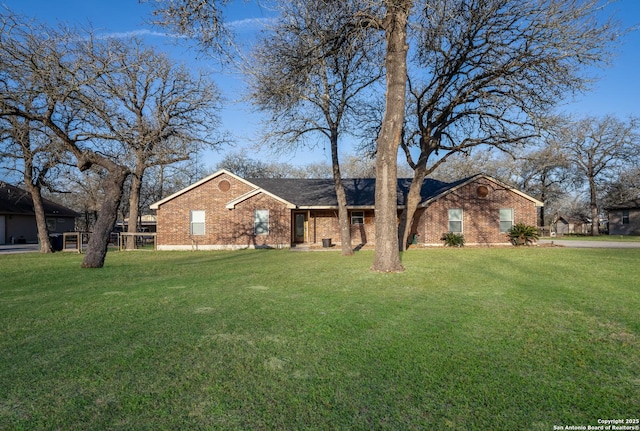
x=617, y=91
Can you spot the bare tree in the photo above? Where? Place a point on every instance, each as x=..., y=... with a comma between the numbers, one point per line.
x=246, y=167
x=82, y=191
x=484, y=73
x=31, y=152
x=74, y=71
x=35, y=155
x=624, y=187
x=310, y=72
x=471, y=75
x=52, y=60
x=242, y=165
x=203, y=20
x=157, y=110
x=196, y=19
x=545, y=174
x=466, y=164
x=598, y=148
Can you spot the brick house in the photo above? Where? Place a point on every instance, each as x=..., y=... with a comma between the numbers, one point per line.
x=624, y=218
x=225, y=211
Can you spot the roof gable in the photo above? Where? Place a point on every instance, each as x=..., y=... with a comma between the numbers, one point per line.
x=155, y=205
x=256, y=190
x=320, y=193
x=451, y=187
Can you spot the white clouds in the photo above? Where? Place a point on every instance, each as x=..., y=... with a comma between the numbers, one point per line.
x=136, y=33
x=249, y=24
x=240, y=26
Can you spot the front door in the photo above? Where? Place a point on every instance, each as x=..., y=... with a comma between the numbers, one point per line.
x=299, y=227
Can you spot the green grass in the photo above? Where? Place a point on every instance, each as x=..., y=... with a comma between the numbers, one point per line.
x=465, y=339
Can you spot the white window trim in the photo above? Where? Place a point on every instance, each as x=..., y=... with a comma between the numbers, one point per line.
x=449, y=220
x=501, y=220
x=258, y=223
x=353, y=216
x=197, y=221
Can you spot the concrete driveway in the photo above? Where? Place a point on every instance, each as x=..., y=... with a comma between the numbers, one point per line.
x=590, y=244
x=19, y=248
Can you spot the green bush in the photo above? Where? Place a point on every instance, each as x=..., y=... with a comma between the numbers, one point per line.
x=522, y=234
x=453, y=239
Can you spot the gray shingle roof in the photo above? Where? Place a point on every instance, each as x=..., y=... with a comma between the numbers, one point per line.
x=360, y=191
x=14, y=200
x=634, y=203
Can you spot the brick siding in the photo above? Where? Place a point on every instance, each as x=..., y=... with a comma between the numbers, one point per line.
x=234, y=228
x=481, y=215
x=324, y=224
x=224, y=228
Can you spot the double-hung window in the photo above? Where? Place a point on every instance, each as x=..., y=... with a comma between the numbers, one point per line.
x=625, y=216
x=197, y=222
x=261, y=222
x=357, y=217
x=506, y=219
x=455, y=220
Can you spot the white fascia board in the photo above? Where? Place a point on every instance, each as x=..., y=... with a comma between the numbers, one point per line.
x=535, y=201
x=335, y=207
x=232, y=204
x=156, y=205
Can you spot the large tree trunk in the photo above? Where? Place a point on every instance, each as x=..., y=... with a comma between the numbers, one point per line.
x=38, y=206
x=33, y=187
x=343, y=212
x=411, y=205
x=41, y=219
x=595, y=219
x=99, y=240
x=343, y=219
x=134, y=207
x=387, y=253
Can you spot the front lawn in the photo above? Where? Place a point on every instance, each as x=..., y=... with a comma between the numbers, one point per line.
x=466, y=339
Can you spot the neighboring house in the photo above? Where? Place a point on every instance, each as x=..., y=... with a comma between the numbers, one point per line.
x=225, y=211
x=566, y=225
x=146, y=223
x=624, y=218
x=18, y=220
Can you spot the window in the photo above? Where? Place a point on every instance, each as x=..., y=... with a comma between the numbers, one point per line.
x=625, y=216
x=261, y=222
x=197, y=222
x=51, y=224
x=455, y=220
x=357, y=217
x=506, y=219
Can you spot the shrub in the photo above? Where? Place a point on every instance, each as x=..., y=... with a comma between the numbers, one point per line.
x=521, y=234
x=453, y=239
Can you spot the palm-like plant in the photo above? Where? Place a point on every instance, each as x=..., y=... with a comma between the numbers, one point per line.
x=521, y=234
x=452, y=239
